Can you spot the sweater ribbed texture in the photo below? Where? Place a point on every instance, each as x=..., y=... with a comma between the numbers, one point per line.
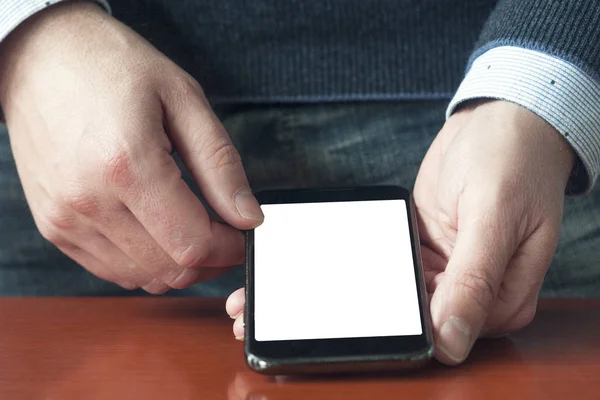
x=567, y=29
x=294, y=50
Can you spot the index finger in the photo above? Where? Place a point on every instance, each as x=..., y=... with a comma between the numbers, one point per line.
x=211, y=157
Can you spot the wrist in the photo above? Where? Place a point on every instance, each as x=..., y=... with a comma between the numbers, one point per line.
x=42, y=33
x=544, y=137
x=531, y=134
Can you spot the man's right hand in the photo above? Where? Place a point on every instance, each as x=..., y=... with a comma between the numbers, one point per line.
x=94, y=113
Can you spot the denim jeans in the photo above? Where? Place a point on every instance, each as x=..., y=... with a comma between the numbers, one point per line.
x=293, y=146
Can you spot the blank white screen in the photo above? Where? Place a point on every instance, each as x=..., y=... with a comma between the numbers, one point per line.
x=334, y=270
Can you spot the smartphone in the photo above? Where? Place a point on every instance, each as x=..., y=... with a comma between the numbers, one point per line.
x=334, y=283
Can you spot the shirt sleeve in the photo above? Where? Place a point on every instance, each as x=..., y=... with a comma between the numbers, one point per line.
x=545, y=56
x=14, y=12
x=556, y=90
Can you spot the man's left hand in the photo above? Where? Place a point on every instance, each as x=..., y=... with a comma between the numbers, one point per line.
x=489, y=196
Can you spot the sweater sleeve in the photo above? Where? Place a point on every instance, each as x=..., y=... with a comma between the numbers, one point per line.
x=545, y=56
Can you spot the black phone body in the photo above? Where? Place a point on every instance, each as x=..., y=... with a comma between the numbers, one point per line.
x=334, y=283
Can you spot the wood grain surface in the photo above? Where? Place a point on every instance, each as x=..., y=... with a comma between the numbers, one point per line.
x=183, y=348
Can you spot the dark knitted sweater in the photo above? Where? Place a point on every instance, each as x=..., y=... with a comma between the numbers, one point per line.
x=338, y=50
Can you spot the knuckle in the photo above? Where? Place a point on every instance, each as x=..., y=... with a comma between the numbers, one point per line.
x=98, y=270
x=119, y=170
x=53, y=236
x=57, y=218
x=523, y=318
x=50, y=234
x=157, y=290
x=192, y=256
x=220, y=153
x=181, y=89
x=183, y=279
x=80, y=201
x=186, y=86
x=478, y=285
x=166, y=167
x=156, y=286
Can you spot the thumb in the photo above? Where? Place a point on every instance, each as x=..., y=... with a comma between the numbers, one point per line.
x=209, y=154
x=462, y=301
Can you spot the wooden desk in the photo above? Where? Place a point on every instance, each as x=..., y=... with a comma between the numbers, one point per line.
x=167, y=348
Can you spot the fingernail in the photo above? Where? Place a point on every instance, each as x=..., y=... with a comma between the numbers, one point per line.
x=240, y=338
x=247, y=205
x=455, y=339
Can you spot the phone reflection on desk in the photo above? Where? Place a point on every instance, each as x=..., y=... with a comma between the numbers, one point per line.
x=472, y=380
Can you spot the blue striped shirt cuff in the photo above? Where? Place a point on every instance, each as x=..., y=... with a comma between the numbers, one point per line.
x=14, y=12
x=559, y=92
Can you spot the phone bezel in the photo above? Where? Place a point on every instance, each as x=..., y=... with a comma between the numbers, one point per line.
x=404, y=348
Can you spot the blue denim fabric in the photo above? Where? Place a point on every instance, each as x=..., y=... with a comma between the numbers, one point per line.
x=293, y=146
